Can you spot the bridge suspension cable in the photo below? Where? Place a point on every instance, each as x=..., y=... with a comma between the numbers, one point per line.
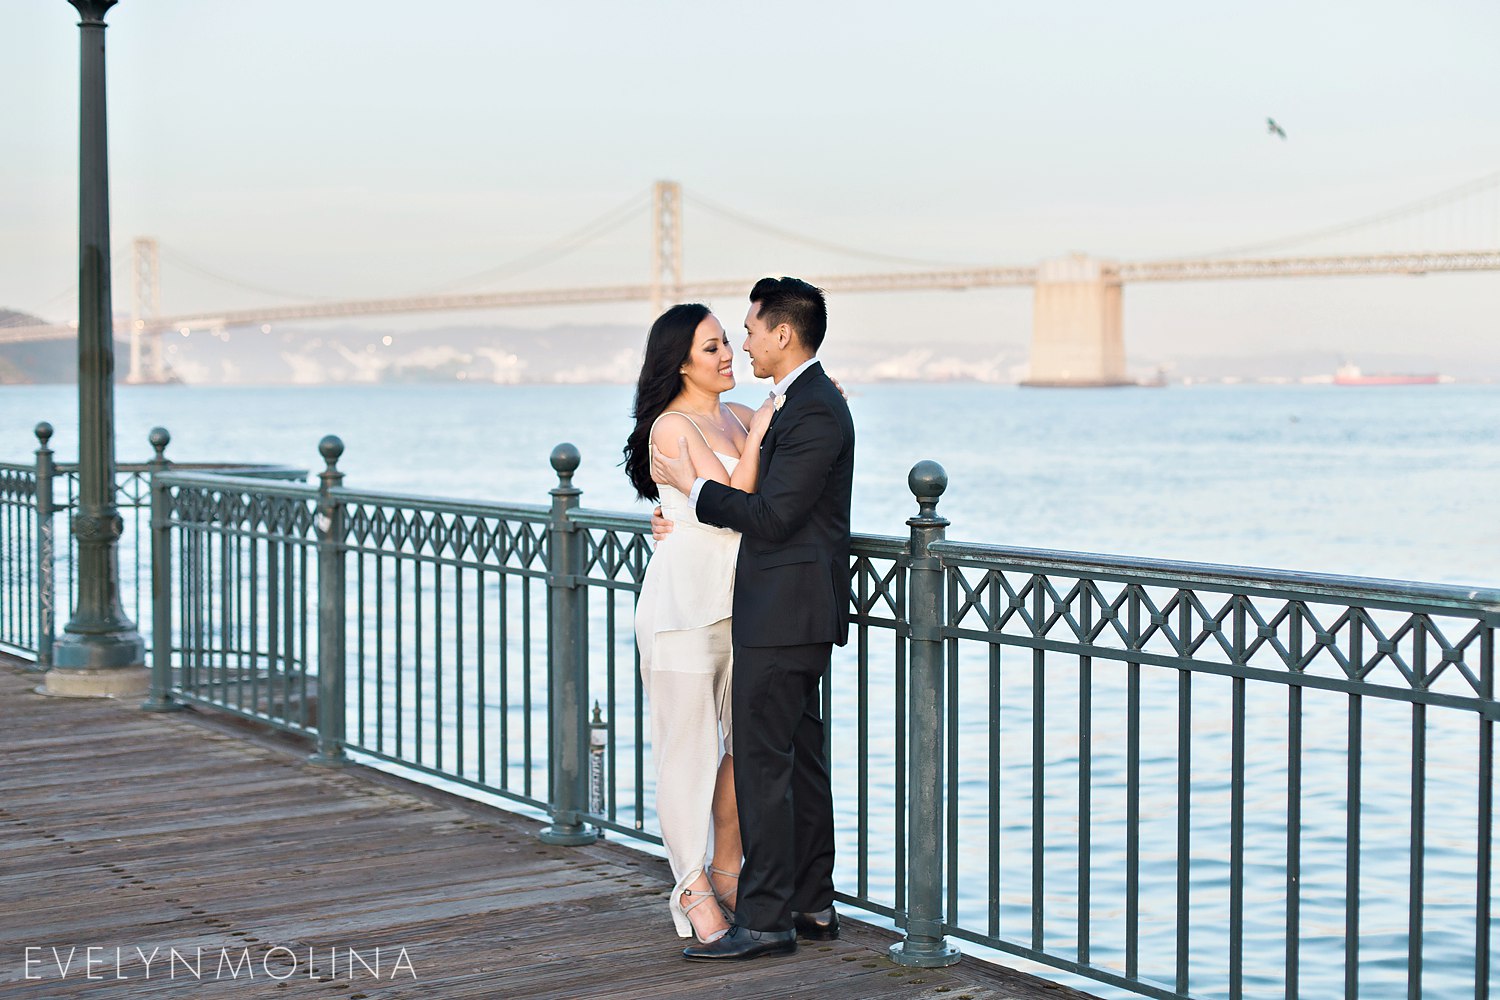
x=744, y=220
x=1489, y=184
x=17, y=319
x=187, y=264
x=558, y=249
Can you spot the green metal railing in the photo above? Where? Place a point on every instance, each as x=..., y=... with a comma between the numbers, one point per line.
x=1352, y=679
x=1128, y=769
x=28, y=589
x=35, y=563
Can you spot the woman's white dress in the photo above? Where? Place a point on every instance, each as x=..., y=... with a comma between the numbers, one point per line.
x=682, y=632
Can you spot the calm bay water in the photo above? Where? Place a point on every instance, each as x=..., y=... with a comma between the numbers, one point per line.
x=1391, y=482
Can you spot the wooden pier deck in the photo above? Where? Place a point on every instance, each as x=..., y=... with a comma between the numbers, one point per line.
x=126, y=830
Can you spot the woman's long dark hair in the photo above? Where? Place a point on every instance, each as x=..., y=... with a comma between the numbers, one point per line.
x=667, y=348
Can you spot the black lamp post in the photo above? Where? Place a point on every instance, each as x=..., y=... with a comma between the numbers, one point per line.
x=100, y=653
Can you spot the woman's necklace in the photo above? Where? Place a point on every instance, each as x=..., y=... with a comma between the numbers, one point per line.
x=714, y=420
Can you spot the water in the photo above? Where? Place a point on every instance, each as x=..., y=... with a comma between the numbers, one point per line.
x=1374, y=481
x=1371, y=481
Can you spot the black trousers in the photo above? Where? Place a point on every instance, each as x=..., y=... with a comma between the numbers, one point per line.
x=781, y=780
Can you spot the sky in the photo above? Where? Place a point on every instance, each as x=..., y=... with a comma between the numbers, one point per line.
x=314, y=150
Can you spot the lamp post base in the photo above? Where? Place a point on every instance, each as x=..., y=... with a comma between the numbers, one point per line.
x=925, y=955
x=560, y=835
x=113, y=682
x=98, y=665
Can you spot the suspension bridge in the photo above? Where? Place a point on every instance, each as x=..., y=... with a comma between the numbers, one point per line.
x=1077, y=317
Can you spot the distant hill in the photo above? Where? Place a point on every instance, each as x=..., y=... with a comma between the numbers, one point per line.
x=11, y=317
x=46, y=361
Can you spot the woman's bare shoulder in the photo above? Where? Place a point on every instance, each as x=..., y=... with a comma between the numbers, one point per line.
x=669, y=427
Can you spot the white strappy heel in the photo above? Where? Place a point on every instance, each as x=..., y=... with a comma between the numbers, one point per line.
x=683, y=922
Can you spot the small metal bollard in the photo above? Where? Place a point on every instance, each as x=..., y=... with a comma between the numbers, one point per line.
x=598, y=744
x=46, y=564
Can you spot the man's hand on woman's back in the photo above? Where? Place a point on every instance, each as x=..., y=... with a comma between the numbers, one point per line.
x=660, y=526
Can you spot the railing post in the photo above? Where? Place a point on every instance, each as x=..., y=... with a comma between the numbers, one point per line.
x=567, y=660
x=329, y=524
x=924, y=944
x=46, y=567
x=160, y=698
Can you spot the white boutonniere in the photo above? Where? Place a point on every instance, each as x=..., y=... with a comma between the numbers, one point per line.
x=779, y=400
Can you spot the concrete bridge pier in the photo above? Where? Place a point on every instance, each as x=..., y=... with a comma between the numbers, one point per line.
x=1076, y=319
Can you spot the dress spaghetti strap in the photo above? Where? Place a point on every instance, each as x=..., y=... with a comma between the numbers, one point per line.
x=688, y=419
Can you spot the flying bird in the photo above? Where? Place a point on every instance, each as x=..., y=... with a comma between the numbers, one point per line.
x=1275, y=129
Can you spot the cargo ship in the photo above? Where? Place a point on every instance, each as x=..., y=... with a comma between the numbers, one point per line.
x=1351, y=375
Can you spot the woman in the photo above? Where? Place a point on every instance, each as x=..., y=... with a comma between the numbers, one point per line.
x=682, y=618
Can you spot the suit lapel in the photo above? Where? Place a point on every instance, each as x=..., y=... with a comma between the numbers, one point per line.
x=774, y=418
x=800, y=385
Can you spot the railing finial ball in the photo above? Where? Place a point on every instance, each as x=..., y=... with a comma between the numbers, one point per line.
x=331, y=448
x=159, y=438
x=927, y=481
x=566, y=459
x=44, y=433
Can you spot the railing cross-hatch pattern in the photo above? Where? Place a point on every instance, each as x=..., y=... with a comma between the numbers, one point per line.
x=617, y=557
x=463, y=539
x=1404, y=648
x=876, y=591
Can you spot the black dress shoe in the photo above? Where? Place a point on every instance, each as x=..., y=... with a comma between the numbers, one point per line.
x=820, y=925
x=742, y=943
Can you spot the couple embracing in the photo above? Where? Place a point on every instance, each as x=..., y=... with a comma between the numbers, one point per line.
x=742, y=603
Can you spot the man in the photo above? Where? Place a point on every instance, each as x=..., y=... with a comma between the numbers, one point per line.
x=791, y=606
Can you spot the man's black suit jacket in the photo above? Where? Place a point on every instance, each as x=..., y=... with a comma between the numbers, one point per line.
x=791, y=584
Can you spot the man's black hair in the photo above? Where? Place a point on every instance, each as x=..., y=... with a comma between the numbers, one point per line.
x=796, y=303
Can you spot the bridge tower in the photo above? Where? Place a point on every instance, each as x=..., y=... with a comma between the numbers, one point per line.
x=666, y=245
x=1076, y=319
x=145, y=305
